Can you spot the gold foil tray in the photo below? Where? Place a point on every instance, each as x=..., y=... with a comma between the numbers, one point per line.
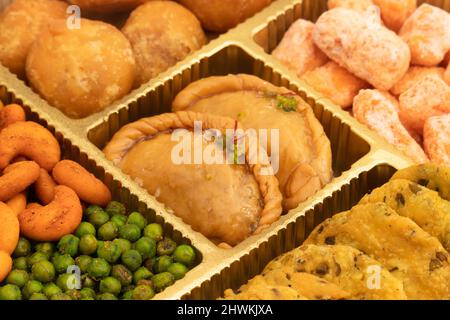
x=362, y=160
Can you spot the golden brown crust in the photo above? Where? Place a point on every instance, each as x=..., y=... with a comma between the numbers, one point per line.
x=422, y=205
x=20, y=24
x=82, y=70
x=219, y=15
x=306, y=162
x=429, y=175
x=161, y=33
x=344, y=266
x=286, y=284
x=400, y=245
x=133, y=133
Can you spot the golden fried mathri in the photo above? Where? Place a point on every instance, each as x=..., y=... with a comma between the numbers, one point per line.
x=304, y=150
x=422, y=205
x=346, y=267
x=227, y=202
x=400, y=245
x=432, y=176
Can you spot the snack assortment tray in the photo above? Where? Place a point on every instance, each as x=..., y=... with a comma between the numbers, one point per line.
x=362, y=161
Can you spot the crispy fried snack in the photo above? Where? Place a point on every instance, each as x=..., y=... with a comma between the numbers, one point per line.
x=320, y=272
x=414, y=76
x=379, y=111
x=11, y=114
x=287, y=284
x=395, y=12
x=427, y=98
x=422, y=205
x=161, y=33
x=335, y=83
x=399, y=244
x=432, y=176
x=427, y=32
x=45, y=187
x=20, y=25
x=297, y=49
x=219, y=15
x=436, y=134
x=82, y=70
x=364, y=47
x=304, y=150
x=107, y=6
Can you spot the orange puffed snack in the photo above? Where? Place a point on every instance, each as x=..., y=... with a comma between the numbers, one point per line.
x=427, y=32
x=378, y=110
x=365, y=48
x=436, y=134
x=395, y=12
x=335, y=83
x=297, y=49
x=427, y=98
x=414, y=75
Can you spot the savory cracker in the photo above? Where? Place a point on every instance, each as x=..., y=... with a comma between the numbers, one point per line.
x=286, y=284
x=422, y=205
x=346, y=267
x=429, y=175
x=400, y=245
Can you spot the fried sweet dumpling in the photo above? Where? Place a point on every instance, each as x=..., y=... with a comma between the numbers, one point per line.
x=429, y=175
x=348, y=268
x=400, y=245
x=286, y=284
x=225, y=202
x=422, y=205
x=304, y=150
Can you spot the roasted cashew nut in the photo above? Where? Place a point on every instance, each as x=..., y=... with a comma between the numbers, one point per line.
x=11, y=114
x=50, y=223
x=85, y=184
x=17, y=177
x=18, y=203
x=9, y=229
x=45, y=187
x=31, y=140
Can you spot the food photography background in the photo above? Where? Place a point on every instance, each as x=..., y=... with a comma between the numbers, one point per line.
x=362, y=160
